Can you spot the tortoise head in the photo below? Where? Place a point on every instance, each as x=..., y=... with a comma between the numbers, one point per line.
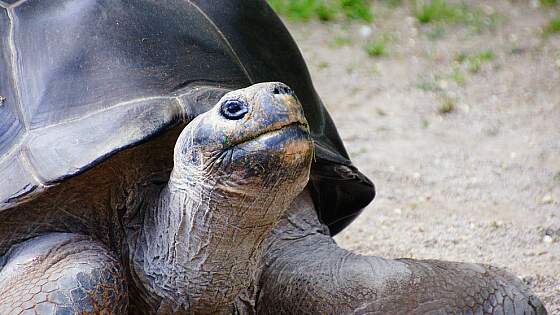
x=252, y=138
x=237, y=168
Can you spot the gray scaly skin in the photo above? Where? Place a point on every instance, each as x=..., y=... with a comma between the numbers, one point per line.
x=231, y=229
x=303, y=266
x=62, y=273
x=200, y=240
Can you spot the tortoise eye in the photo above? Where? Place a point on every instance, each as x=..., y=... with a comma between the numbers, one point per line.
x=234, y=109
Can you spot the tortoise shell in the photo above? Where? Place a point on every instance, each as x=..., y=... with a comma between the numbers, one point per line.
x=81, y=80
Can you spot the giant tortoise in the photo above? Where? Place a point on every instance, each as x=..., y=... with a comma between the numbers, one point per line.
x=146, y=169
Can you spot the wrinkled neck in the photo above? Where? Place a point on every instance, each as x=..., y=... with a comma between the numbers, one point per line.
x=202, y=241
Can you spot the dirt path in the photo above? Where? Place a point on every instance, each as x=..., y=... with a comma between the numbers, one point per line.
x=478, y=184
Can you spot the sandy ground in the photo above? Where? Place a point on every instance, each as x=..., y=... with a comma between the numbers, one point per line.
x=478, y=184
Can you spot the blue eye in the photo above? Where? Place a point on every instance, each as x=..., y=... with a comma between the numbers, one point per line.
x=234, y=109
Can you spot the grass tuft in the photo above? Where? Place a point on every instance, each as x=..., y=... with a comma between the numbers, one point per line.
x=323, y=10
x=375, y=48
x=441, y=12
x=446, y=105
x=340, y=41
x=474, y=62
x=356, y=10
x=458, y=77
x=549, y=3
x=553, y=26
x=436, y=11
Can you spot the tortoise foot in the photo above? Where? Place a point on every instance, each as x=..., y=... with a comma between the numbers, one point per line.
x=62, y=273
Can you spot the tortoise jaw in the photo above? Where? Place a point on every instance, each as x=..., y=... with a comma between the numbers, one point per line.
x=273, y=130
x=280, y=154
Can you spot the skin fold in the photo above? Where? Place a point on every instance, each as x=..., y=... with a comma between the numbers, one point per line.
x=230, y=228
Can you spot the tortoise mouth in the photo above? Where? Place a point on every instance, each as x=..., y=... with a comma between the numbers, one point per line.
x=279, y=133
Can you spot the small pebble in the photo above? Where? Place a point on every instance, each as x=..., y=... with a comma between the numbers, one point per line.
x=442, y=84
x=365, y=31
x=546, y=199
x=548, y=239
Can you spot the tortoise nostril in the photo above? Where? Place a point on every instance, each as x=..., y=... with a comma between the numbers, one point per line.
x=234, y=109
x=282, y=90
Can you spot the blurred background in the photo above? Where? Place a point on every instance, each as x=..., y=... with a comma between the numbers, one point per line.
x=453, y=110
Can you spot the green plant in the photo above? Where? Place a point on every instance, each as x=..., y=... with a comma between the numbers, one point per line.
x=301, y=10
x=458, y=76
x=461, y=57
x=323, y=65
x=441, y=12
x=549, y=3
x=474, y=62
x=356, y=9
x=553, y=26
x=446, y=105
x=437, y=10
x=375, y=48
x=340, y=41
x=393, y=3
x=324, y=10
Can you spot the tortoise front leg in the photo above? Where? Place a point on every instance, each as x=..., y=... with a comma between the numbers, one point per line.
x=306, y=272
x=61, y=273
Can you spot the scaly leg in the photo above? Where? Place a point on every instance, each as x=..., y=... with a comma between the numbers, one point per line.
x=62, y=273
x=305, y=272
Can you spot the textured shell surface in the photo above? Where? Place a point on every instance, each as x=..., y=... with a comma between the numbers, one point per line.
x=81, y=80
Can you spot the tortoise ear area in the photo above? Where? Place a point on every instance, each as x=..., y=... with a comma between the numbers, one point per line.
x=194, y=135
